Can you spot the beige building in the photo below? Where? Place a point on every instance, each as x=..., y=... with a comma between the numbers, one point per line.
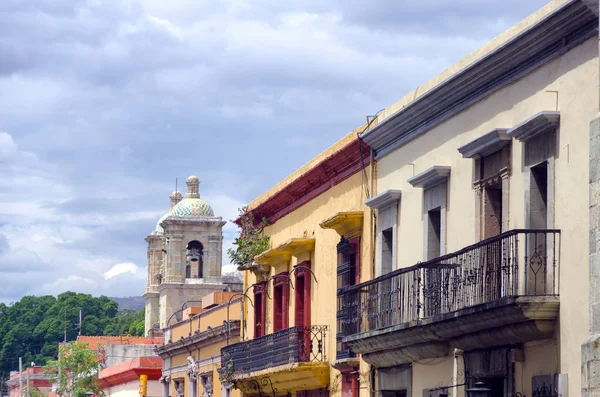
x=481, y=201
x=191, y=352
x=184, y=257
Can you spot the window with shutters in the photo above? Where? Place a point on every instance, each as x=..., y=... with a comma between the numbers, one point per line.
x=348, y=273
x=259, y=309
x=281, y=297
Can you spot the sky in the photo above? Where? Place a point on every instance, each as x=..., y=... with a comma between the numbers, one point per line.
x=104, y=103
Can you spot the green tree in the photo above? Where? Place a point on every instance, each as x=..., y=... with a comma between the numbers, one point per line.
x=251, y=240
x=33, y=326
x=76, y=371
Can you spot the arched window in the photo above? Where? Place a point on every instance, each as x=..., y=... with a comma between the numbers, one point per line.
x=188, y=271
x=194, y=257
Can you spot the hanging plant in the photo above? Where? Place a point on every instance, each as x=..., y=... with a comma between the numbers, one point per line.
x=250, y=242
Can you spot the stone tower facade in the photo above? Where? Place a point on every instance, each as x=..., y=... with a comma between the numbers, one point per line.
x=184, y=257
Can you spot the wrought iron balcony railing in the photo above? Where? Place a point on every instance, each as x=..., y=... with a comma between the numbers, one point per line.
x=515, y=263
x=292, y=345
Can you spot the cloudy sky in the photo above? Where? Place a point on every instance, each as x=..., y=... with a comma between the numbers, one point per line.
x=103, y=103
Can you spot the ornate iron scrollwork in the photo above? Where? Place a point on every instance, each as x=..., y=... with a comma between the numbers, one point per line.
x=258, y=385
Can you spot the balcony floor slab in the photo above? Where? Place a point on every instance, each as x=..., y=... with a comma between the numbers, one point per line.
x=508, y=320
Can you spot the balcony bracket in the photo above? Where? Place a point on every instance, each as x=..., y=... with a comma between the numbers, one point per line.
x=258, y=384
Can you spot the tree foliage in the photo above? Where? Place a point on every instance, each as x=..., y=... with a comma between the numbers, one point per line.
x=32, y=327
x=75, y=372
x=251, y=240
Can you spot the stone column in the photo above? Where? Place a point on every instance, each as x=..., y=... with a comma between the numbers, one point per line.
x=213, y=259
x=155, y=259
x=590, y=351
x=175, y=269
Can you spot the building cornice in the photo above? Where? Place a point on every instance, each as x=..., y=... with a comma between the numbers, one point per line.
x=541, y=123
x=431, y=177
x=486, y=144
x=384, y=200
x=199, y=340
x=553, y=35
x=330, y=171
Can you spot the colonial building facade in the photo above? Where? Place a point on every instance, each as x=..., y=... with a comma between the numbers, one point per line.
x=191, y=351
x=184, y=257
x=462, y=239
x=482, y=204
x=319, y=240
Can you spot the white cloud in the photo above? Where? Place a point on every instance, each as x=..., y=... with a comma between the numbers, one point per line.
x=124, y=268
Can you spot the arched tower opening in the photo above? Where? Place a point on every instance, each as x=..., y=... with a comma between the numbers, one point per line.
x=194, y=259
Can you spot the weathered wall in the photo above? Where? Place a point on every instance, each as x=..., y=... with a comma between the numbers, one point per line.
x=132, y=389
x=349, y=195
x=116, y=354
x=577, y=100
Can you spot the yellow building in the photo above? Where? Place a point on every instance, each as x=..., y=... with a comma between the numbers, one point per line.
x=191, y=351
x=319, y=240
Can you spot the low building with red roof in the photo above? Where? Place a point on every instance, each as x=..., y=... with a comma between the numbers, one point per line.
x=123, y=379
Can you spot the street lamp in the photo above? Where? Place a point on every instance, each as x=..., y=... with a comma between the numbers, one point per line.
x=479, y=390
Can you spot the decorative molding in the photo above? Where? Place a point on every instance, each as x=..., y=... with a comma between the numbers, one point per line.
x=331, y=171
x=487, y=144
x=384, y=200
x=568, y=26
x=272, y=257
x=297, y=246
x=192, y=368
x=284, y=252
x=207, y=384
x=543, y=122
x=183, y=368
x=198, y=340
x=346, y=224
x=431, y=177
x=592, y=5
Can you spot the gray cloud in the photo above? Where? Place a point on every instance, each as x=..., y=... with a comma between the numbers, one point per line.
x=107, y=102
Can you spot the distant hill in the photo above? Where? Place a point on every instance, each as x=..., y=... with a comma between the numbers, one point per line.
x=130, y=302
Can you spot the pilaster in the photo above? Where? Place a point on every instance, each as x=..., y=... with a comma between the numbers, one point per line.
x=590, y=352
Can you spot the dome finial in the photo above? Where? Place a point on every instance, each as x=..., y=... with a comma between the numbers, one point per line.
x=175, y=198
x=193, y=187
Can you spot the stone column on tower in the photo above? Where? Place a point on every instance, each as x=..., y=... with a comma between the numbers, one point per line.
x=175, y=266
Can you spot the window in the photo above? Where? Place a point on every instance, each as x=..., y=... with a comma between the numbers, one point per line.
x=281, y=297
x=387, y=250
x=434, y=182
x=259, y=309
x=434, y=233
x=492, y=181
x=386, y=204
x=491, y=171
x=348, y=273
x=302, y=296
x=538, y=196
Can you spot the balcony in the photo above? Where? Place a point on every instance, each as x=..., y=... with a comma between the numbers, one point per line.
x=500, y=291
x=284, y=362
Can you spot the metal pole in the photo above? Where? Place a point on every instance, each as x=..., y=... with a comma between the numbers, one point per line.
x=65, y=325
x=79, y=322
x=28, y=389
x=20, y=377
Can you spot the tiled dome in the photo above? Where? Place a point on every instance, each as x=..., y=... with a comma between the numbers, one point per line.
x=192, y=207
x=158, y=227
